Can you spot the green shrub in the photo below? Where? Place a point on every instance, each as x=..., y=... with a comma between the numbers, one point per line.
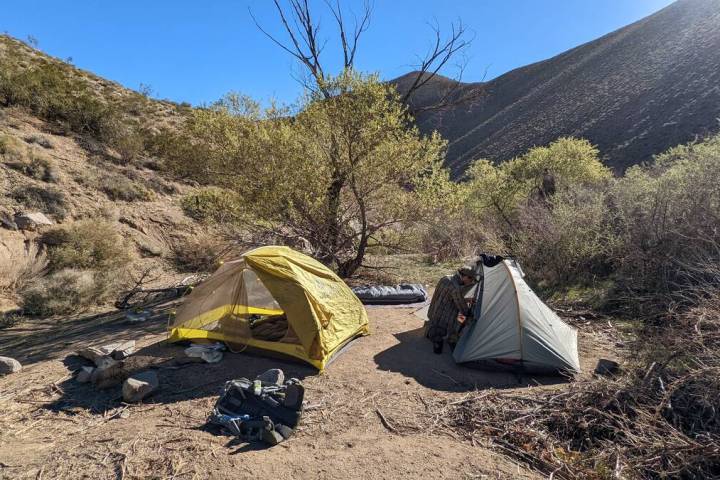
x=86, y=245
x=66, y=291
x=212, y=204
x=45, y=199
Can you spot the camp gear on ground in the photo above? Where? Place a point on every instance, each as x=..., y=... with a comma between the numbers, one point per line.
x=447, y=302
x=260, y=411
x=391, y=295
x=268, y=291
x=211, y=353
x=512, y=327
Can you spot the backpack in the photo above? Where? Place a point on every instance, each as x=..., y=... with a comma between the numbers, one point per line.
x=258, y=410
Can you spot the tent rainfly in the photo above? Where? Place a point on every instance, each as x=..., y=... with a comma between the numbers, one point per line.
x=273, y=299
x=513, y=327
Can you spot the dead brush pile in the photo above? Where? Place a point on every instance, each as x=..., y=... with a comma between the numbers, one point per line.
x=658, y=420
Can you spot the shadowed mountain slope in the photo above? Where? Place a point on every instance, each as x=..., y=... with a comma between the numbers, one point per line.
x=634, y=93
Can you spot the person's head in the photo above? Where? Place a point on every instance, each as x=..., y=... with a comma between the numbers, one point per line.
x=467, y=274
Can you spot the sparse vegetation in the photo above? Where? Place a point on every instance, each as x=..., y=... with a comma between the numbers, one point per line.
x=39, y=140
x=19, y=267
x=197, y=253
x=86, y=244
x=67, y=291
x=48, y=200
x=119, y=187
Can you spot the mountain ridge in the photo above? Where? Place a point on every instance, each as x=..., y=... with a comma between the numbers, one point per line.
x=633, y=92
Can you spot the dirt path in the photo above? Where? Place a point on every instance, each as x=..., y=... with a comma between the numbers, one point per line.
x=53, y=427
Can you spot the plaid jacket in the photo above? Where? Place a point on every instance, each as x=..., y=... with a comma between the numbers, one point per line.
x=447, y=302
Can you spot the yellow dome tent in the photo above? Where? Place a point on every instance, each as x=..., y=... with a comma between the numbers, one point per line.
x=275, y=299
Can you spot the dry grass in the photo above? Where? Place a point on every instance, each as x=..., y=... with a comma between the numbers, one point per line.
x=68, y=291
x=197, y=253
x=658, y=420
x=86, y=244
x=20, y=267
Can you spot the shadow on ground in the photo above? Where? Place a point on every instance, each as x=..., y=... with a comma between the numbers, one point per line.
x=180, y=379
x=38, y=340
x=413, y=357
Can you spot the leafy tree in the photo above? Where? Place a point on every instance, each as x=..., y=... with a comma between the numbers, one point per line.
x=339, y=173
x=503, y=188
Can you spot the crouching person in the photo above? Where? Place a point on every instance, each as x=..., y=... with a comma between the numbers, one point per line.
x=449, y=309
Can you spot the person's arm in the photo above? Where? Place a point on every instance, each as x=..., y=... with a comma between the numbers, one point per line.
x=460, y=302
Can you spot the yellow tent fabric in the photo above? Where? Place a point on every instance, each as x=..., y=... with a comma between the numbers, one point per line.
x=272, y=285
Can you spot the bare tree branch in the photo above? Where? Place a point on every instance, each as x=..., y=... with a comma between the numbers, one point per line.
x=438, y=57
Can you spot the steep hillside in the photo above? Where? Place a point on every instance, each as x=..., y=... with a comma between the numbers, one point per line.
x=69, y=150
x=634, y=92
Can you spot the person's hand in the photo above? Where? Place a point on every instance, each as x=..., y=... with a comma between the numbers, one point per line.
x=461, y=318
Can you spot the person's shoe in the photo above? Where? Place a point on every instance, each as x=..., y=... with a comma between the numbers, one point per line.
x=437, y=348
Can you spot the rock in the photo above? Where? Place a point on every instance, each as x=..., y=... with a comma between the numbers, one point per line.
x=607, y=367
x=123, y=350
x=96, y=354
x=9, y=365
x=30, y=221
x=85, y=374
x=109, y=374
x=274, y=376
x=112, y=351
x=148, y=247
x=140, y=386
x=7, y=221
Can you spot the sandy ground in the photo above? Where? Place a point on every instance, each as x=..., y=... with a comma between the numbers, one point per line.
x=53, y=427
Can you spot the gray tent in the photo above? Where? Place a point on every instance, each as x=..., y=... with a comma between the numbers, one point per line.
x=513, y=327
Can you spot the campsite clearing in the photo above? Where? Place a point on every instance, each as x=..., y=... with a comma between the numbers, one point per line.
x=53, y=427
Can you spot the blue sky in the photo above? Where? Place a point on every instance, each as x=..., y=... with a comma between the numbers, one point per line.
x=197, y=51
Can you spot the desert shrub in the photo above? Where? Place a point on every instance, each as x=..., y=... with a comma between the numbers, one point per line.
x=20, y=266
x=569, y=240
x=39, y=140
x=86, y=244
x=51, y=91
x=460, y=236
x=119, y=187
x=45, y=199
x=212, y=204
x=67, y=291
x=9, y=319
x=12, y=149
x=197, y=253
x=36, y=165
x=667, y=217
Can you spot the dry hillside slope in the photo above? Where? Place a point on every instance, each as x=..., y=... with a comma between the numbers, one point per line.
x=634, y=92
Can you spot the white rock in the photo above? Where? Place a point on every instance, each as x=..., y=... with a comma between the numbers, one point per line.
x=9, y=365
x=139, y=386
x=123, y=350
x=30, y=221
